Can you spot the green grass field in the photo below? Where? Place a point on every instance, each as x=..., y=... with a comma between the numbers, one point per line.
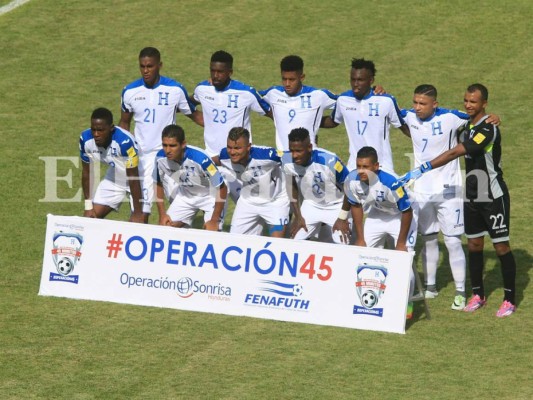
x=61, y=59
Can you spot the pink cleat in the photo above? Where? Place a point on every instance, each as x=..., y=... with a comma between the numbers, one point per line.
x=506, y=309
x=475, y=303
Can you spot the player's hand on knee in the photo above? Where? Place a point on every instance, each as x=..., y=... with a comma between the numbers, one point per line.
x=342, y=226
x=298, y=223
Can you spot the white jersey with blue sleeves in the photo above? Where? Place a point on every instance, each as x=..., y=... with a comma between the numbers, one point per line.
x=302, y=110
x=379, y=194
x=368, y=123
x=195, y=176
x=226, y=109
x=322, y=180
x=432, y=137
x=119, y=155
x=261, y=179
x=154, y=108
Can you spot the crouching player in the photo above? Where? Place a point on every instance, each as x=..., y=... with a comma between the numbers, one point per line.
x=114, y=146
x=189, y=179
x=258, y=185
x=317, y=176
x=389, y=211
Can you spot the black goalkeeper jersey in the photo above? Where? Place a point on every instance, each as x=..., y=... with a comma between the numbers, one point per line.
x=484, y=176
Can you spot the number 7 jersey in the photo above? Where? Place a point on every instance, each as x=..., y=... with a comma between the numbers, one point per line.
x=432, y=137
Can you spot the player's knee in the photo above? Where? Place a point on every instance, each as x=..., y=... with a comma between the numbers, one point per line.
x=502, y=248
x=475, y=245
x=452, y=241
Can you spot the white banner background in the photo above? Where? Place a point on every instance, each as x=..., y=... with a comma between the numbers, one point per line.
x=189, y=269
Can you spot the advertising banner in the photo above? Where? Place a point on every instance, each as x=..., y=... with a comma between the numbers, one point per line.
x=217, y=272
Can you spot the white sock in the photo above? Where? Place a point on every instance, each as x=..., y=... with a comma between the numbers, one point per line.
x=430, y=258
x=457, y=261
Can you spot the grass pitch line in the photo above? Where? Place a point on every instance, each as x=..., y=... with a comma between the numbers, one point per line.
x=11, y=6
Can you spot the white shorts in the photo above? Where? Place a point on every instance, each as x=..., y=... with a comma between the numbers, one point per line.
x=380, y=226
x=247, y=216
x=110, y=194
x=315, y=219
x=438, y=214
x=146, y=173
x=184, y=209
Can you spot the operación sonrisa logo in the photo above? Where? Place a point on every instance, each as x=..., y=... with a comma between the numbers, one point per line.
x=186, y=287
x=66, y=252
x=370, y=286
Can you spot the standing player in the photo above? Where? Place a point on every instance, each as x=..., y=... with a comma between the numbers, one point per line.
x=295, y=105
x=226, y=103
x=152, y=102
x=367, y=116
x=317, y=176
x=111, y=145
x=190, y=180
x=487, y=204
x=439, y=193
x=262, y=196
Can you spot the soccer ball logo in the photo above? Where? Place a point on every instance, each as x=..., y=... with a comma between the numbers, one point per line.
x=297, y=290
x=369, y=299
x=65, y=266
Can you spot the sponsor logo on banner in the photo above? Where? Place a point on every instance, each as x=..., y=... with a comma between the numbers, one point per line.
x=370, y=286
x=185, y=287
x=279, y=296
x=66, y=252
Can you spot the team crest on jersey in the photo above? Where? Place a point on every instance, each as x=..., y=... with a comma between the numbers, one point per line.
x=370, y=286
x=66, y=252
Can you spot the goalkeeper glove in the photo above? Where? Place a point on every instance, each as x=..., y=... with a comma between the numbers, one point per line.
x=416, y=173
